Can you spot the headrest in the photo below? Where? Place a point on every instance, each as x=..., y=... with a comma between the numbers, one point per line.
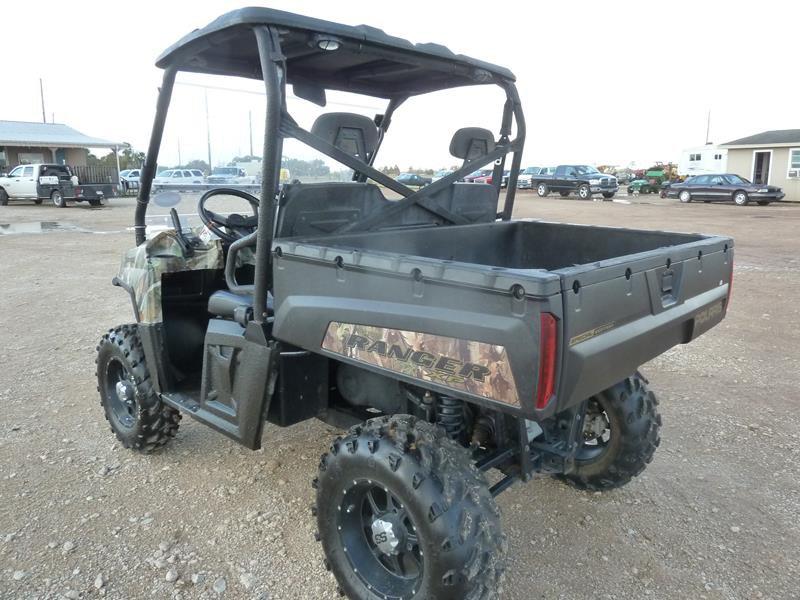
x=355, y=134
x=472, y=142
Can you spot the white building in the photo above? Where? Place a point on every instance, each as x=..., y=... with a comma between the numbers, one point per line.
x=703, y=159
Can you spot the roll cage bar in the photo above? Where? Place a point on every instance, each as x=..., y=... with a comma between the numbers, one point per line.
x=279, y=125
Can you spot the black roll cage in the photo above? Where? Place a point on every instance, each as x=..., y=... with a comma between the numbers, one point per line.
x=279, y=125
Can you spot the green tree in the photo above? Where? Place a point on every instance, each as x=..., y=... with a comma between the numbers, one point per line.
x=197, y=164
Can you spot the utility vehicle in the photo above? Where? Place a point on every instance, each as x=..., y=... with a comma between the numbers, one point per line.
x=461, y=347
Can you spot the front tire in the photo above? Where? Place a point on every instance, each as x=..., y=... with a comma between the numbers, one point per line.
x=763, y=202
x=610, y=195
x=685, y=196
x=137, y=416
x=403, y=512
x=3, y=197
x=584, y=192
x=621, y=434
x=542, y=190
x=58, y=200
x=741, y=198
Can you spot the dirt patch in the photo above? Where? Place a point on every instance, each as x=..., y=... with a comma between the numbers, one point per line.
x=715, y=516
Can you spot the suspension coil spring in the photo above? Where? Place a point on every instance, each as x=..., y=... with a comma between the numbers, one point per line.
x=450, y=416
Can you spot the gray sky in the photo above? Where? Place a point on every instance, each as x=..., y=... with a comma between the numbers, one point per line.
x=609, y=82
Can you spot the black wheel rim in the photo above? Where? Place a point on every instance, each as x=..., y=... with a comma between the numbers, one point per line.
x=121, y=395
x=596, y=432
x=380, y=540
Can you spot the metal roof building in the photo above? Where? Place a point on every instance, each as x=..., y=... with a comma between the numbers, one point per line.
x=769, y=157
x=25, y=142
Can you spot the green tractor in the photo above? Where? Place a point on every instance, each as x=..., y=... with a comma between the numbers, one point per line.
x=653, y=180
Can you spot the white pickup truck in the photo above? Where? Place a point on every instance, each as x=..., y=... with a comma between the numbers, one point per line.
x=40, y=182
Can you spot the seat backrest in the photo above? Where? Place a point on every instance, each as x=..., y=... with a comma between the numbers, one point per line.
x=469, y=143
x=352, y=133
x=310, y=209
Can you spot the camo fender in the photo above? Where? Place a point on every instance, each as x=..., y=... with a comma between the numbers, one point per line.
x=143, y=266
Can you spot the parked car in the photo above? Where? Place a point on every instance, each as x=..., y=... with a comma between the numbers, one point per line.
x=57, y=183
x=230, y=176
x=413, y=179
x=478, y=174
x=484, y=178
x=439, y=174
x=129, y=178
x=582, y=179
x=642, y=186
x=177, y=176
x=525, y=176
x=724, y=187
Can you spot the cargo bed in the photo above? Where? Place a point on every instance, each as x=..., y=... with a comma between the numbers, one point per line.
x=619, y=298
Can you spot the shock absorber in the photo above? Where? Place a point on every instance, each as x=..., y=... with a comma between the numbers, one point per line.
x=450, y=415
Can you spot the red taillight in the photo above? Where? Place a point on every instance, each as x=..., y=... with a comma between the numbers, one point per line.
x=548, y=345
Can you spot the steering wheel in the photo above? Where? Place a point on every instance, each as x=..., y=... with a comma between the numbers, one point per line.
x=236, y=226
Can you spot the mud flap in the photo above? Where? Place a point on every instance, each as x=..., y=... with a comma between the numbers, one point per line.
x=239, y=373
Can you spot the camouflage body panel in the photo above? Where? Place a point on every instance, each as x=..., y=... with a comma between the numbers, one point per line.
x=475, y=367
x=143, y=266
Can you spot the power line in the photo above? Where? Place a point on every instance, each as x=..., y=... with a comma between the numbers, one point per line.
x=261, y=93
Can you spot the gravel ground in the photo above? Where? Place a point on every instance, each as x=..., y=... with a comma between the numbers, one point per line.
x=715, y=516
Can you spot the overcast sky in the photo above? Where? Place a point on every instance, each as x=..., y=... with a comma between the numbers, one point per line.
x=601, y=82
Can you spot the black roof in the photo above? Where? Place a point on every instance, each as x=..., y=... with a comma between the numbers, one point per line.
x=778, y=136
x=368, y=60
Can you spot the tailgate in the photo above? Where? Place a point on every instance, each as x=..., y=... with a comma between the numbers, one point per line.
x=620, y=313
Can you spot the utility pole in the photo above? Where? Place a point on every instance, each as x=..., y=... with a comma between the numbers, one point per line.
x=41, y=93
x=708, y=125
x=250, y=116
x=208, y=132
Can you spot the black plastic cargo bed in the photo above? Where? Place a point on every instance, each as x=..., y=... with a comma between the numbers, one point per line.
x=619, y=297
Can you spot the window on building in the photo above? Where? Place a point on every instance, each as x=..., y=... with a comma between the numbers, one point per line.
x=794, y=163
x=694, y=157
x=718, y=157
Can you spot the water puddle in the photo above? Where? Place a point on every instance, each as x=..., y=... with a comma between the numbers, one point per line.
x=34, y=227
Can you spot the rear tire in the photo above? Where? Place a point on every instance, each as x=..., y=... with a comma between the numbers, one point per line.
x=542, y=190
x=137, y=416
x=629, y=411
x=37, y=201
x=403, y=512
x=58, y=199
x=584, y=192
x=95, y=202
x=741, y=198
x=564, y=194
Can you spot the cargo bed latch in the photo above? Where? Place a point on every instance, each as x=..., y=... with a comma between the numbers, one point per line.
x=667, y=296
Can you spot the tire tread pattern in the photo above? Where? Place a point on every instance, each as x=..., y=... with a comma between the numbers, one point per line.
x=637, y=409
x=157, y=423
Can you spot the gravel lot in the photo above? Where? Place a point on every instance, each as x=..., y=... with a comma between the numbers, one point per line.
x=716, y=516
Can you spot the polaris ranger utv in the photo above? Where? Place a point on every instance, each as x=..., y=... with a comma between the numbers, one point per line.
x=455, y=343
